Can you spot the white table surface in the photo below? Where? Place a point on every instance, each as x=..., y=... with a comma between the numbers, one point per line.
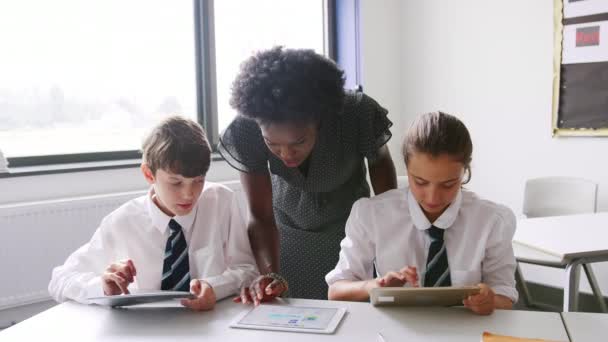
x=170, y=322
x=586, y=327
x=567, y=237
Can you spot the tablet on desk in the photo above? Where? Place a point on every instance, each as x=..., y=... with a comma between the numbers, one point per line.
x=421, y=296
x=290, y=318
x=139, y=298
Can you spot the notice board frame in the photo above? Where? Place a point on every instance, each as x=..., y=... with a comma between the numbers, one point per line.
x=580, y=89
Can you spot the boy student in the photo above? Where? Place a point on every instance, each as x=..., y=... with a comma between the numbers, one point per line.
x=432, y=233
x=185, y=234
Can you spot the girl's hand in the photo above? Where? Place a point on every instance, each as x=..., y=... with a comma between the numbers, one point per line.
x=481, y=303
x=407, y=275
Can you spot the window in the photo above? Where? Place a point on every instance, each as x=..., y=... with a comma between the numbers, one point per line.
x=243, y=27
x=92, y=76
x=84, y=80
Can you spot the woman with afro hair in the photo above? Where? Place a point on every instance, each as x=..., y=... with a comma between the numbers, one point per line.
x=300, y=141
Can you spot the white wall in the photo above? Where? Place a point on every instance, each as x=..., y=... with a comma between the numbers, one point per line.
x=490, y=63
x=381, y=50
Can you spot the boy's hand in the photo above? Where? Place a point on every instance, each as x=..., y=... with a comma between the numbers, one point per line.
x=482, y=303
x=205, y=296
x=263, y=288
x=117, y=277
x=407, y=275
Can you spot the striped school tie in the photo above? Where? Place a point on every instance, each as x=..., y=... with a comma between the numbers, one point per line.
x=437, y=267
x=176, y=267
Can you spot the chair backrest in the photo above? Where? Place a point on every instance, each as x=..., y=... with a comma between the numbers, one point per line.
x=553, y=196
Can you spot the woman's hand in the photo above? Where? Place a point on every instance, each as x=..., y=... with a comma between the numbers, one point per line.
x=263, y=288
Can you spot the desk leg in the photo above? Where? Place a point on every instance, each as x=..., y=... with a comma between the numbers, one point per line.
x=597, y=292
x=573, y=272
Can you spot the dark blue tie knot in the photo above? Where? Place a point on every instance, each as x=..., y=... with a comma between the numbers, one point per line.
x=435, y=233
x=175, y=227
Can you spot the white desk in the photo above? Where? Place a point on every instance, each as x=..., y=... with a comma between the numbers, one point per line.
x=574, y=239
x=586, y=327
x=71, y=321
x=569, y=232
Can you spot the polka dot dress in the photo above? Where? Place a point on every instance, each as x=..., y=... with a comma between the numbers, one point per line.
x=311, y=209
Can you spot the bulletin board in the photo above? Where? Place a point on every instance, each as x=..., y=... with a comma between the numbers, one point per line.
x=580, y=68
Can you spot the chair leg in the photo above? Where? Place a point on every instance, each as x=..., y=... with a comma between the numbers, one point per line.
x=595, y=287
x=573, y=272
x=519, y=278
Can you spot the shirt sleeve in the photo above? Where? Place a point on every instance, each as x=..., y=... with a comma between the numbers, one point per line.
x=80, y=276
x=498, y=267
x=243, y=147
x=357, y=251
x=241, y=266
x=374, y=127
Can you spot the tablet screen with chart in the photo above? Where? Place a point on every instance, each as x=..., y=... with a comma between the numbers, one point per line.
x=289, y=317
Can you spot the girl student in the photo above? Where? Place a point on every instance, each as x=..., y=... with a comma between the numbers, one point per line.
x=433, y=232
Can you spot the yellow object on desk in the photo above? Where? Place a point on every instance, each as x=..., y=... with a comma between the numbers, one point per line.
x=489, y=337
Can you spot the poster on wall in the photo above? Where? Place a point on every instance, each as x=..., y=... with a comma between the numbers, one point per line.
x=583, y=8
x=580, y=89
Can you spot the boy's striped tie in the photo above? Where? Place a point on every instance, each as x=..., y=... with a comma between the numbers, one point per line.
x=176, y=266
x=437, y=267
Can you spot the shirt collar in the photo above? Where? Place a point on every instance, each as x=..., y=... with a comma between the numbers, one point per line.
x=444, y=221
x=160, y=220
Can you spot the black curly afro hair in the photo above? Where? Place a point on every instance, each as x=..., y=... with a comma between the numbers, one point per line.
x=288, y=85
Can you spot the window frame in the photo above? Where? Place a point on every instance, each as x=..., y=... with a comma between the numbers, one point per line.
x=341, y=43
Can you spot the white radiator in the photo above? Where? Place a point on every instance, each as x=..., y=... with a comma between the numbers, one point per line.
x=38, y=236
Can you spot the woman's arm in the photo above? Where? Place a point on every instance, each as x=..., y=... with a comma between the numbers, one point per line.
x=382, y=172
x=262, y=229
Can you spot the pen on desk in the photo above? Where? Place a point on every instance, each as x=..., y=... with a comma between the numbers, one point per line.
x=380, y=337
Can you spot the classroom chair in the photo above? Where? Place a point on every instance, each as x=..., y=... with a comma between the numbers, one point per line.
x=554, y=196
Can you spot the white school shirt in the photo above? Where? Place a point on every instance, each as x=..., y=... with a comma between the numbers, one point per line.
x=389, y=230
x=218, y=247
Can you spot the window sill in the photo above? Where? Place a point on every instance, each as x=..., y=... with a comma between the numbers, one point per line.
x=78, y=167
